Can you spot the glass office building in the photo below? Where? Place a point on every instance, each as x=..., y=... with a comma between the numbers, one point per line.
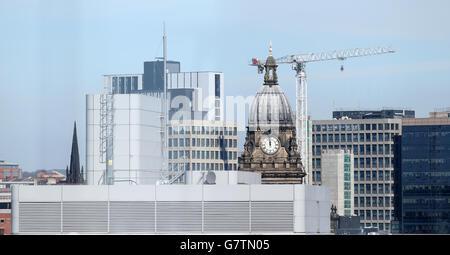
x=423, y=176
x=371, y=143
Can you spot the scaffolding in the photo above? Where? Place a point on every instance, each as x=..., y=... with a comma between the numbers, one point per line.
x=107, y=134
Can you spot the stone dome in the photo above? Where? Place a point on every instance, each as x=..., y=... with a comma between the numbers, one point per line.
x=270, y=108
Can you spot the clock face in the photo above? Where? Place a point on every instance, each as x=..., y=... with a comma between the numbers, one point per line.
x=270, y=144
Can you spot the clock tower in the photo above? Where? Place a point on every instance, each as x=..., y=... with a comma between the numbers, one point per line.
x=270, y=144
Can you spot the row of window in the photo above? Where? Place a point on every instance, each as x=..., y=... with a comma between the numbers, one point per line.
x=347, y=203
x=385, y=162
x=378, y=175
x=202, y=142
x=373, y=202
x=375, y=214
x=187, y=154
x=201, y=166
x=380, y=226
x=381, y=162
x=124, y=85
x=355, y=127
x=380, y=188
x=202, y=130
x=361, y=137
x=367, y=149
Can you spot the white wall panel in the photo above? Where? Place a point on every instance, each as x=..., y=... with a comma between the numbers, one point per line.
x=132, y=193
x=44, y=194
x=179, y=209
x=269, y=192
x=226, y=192
x=121, y=132
x=121, y=162
x=86, y=193
x=300, y=208
x=122, y=101
x=299, y=192
x=179, y=193
x=121, y=117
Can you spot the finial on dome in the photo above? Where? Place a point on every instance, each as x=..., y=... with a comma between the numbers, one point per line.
x=270, y=49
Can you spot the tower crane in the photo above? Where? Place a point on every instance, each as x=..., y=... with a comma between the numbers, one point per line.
x=298, y=62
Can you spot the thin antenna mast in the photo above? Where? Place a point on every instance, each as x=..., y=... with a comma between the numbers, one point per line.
x=164, y=154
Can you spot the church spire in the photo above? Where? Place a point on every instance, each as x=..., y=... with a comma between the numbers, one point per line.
x=74, y=170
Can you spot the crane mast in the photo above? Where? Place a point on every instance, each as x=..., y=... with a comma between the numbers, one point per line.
x=298, y=62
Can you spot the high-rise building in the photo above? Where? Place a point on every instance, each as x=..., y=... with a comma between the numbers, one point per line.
x=196, y=145
x=422, y=173
x=194, y=98
x=200, y=92
x=136, y=138
x=371, y=141
x=337, y=175
x=153, y=79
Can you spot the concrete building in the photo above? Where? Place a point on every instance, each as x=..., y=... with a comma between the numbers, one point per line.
x=153, y=79
x=196, y=145
x=197, y=92
x=137, y=139
x=9, y=171
x=137, y=103
x=171, y=209
x=337, y=174
x=423, y=175
x=371, y=141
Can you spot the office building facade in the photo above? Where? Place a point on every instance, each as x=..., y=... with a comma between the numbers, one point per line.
x=337, y=174
x=197, y=145
x=371, y=141
x=423, y=176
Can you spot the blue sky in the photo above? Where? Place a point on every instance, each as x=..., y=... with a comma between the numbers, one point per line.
x=52, y=53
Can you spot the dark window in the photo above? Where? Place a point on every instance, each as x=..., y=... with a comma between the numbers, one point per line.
x=217, y=85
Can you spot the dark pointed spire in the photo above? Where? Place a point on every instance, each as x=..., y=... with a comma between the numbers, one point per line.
x=67, y=174
x=74, y=171
x=82, y=175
